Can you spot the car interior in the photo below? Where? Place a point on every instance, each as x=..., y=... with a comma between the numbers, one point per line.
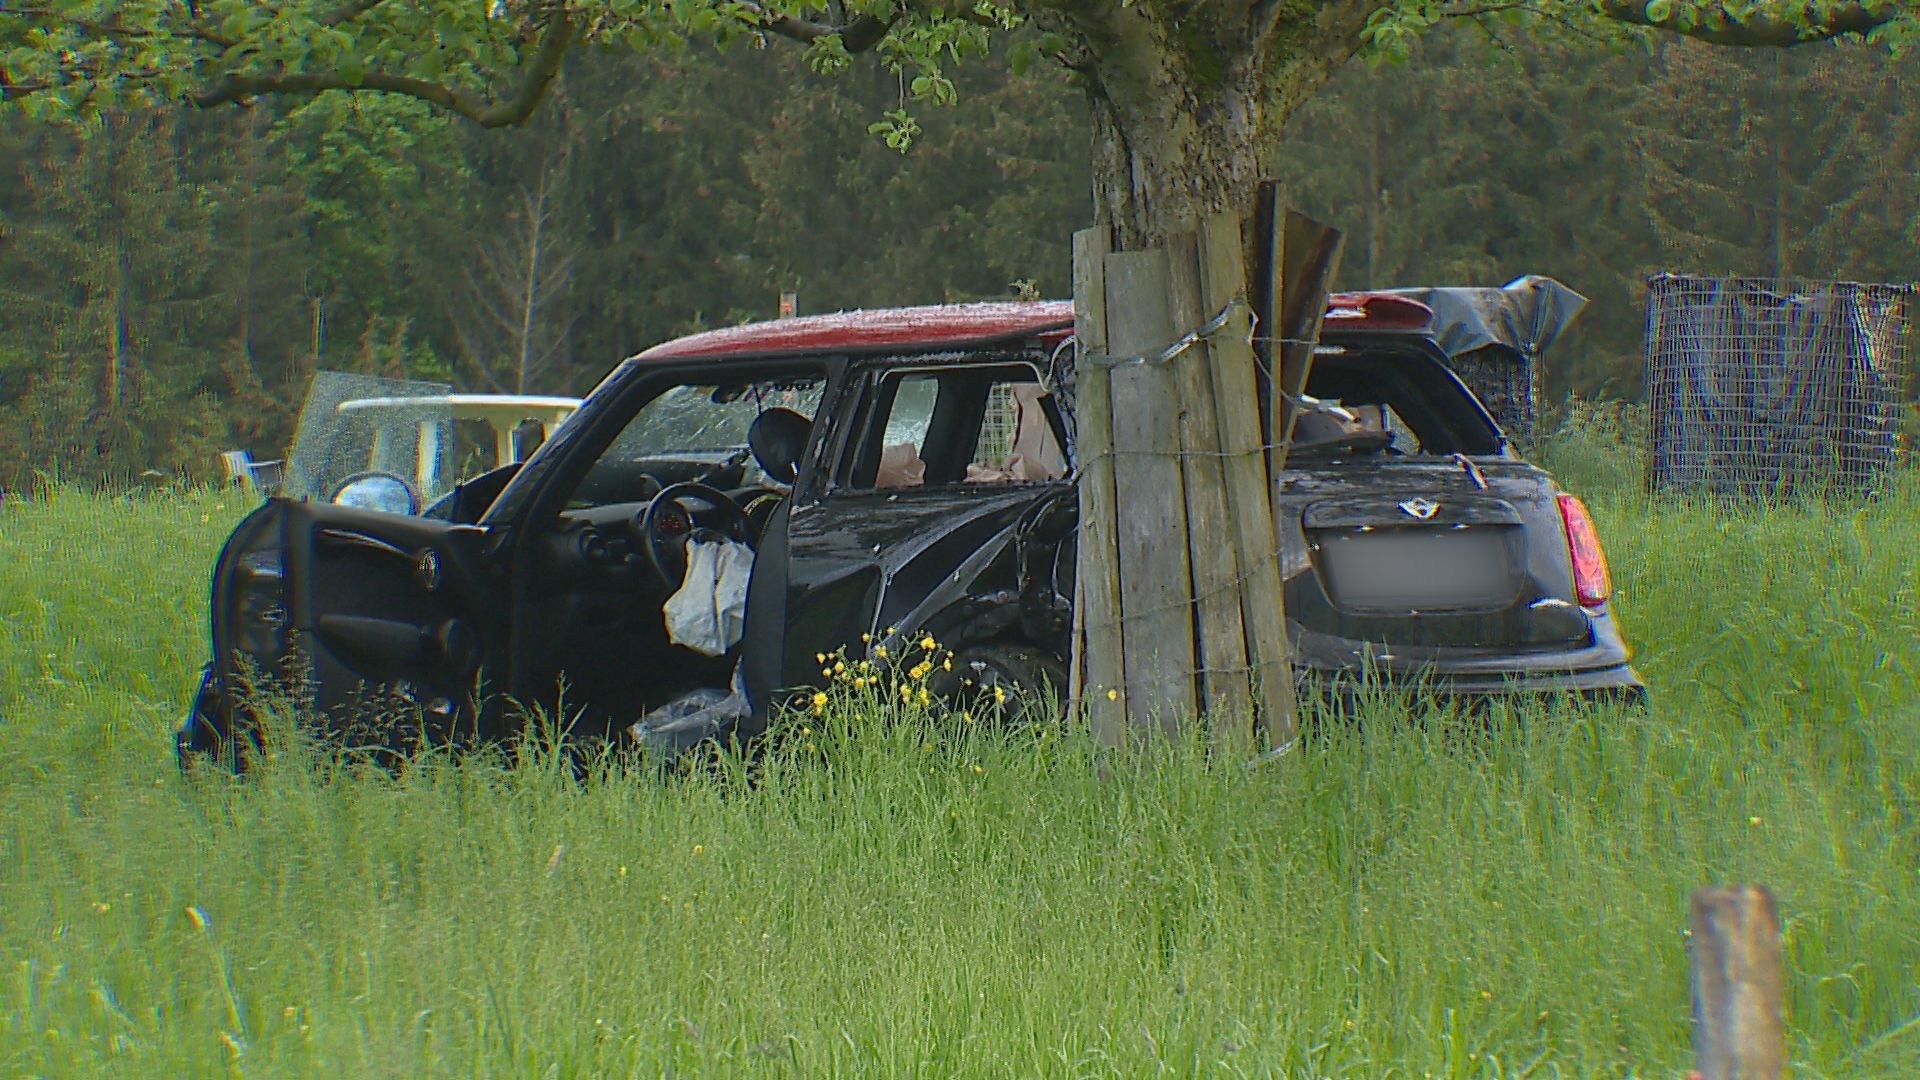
x=956, y=424
x=1388, y=403
x=697, y=462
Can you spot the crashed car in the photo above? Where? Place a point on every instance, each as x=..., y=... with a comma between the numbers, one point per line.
x=728, y=506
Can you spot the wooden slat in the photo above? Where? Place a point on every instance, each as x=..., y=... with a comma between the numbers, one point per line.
x=1220, y=645
x=1097, y=576
x=1260, y=240
x=1310, y=255
x=1156, y=594
x=1262, y=600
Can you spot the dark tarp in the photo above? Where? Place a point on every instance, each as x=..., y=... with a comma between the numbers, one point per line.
x=1754, y=388
x=1494, y=339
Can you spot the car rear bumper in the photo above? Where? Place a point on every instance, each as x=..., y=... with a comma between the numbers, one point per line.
x=1614, y=685
x=1597, y=670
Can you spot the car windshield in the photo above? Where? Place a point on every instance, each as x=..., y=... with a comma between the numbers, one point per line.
x=692, y=432
x=706, y=419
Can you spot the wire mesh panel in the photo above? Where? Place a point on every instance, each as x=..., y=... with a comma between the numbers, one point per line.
x=1505, y=382
x=1757, y=387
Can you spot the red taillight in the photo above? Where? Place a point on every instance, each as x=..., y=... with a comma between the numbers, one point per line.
x=1591, y=582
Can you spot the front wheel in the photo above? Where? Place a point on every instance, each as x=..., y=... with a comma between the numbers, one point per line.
x=1016, y=682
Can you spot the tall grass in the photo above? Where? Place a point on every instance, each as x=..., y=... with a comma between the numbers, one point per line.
x=1406, y=896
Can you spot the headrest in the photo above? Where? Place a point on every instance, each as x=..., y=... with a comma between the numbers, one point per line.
x=778, y=439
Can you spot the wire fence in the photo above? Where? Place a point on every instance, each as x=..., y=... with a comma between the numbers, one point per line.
x=1761, y=388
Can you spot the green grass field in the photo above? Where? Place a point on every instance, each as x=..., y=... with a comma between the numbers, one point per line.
x=1403, y=897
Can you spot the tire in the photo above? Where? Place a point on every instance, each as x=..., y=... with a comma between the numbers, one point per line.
x=1033, y=681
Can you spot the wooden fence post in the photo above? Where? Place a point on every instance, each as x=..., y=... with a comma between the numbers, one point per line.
x=1734, y=960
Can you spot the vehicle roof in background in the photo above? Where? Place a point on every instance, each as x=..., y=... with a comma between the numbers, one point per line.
x=1526, y=315
x=471, y=406
x=952, y=326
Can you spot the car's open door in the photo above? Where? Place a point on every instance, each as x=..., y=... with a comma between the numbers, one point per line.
x=376, y=627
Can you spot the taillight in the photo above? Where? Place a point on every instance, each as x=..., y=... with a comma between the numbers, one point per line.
x=1591, y=582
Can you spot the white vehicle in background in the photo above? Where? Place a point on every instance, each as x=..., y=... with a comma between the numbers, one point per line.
x=398, y=445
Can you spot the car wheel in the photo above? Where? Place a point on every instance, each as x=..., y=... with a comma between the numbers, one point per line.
x=1031, y=683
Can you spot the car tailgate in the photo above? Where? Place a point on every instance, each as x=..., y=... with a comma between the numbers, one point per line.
x=1429, y=556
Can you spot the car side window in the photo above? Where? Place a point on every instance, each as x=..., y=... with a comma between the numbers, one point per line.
x=961, y=425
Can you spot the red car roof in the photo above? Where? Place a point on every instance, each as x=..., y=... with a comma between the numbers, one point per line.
x=943, y=326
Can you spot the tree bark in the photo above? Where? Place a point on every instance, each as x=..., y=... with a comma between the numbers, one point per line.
x=1184, y=99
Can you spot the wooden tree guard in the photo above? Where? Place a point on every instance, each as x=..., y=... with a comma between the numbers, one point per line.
x=1180, y=606
x=1736, y=974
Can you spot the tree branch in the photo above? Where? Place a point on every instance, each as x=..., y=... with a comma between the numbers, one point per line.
x=114, y=30
x=1765, y=27
x=859, y=35
x=539, y=76
x=1478, y=13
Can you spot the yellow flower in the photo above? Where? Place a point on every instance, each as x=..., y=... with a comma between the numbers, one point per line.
x=880, y=651
x=925, y=698
x=821, y=657
x=839, y=667
x=828, y=672
x=999, y=696
x=928, y=643
x=864, y=638
x=698, y=848
x=906, y=692
x=947, y=664
x=978, y=769
x=1113, y=695
x=819, y=700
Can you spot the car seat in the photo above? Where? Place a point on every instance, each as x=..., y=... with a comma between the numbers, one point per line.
x=778, y=439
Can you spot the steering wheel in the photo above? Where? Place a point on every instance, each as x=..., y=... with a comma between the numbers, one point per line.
x=662, y=533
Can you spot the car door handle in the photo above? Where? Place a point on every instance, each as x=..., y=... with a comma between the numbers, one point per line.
x=350, y=538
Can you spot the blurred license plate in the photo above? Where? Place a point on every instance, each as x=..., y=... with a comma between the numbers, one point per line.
x=1410, y=570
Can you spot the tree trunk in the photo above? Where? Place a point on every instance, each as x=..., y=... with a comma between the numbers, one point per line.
x=1185, y=103
x=1184, y=98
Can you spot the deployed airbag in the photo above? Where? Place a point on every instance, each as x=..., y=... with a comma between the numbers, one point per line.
x=709, y=611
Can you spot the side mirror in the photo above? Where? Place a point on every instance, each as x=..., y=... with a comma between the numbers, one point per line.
x=384, y=492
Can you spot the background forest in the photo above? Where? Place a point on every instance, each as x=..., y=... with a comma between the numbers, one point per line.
x=169, y=282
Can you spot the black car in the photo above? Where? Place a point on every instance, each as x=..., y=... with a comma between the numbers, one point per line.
x=844, y=481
